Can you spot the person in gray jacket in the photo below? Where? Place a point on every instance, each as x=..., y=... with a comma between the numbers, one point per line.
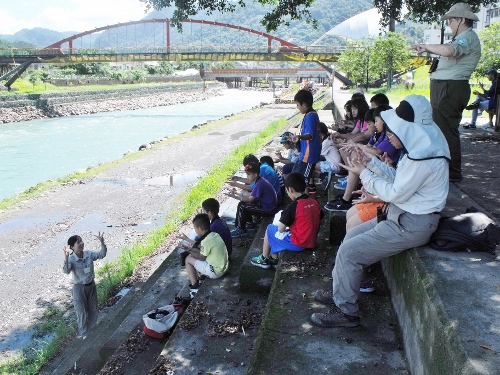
x=415, y=192
x=80, y=264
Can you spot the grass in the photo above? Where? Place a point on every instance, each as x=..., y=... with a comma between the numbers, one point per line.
x=111, y=274
x=25, y=87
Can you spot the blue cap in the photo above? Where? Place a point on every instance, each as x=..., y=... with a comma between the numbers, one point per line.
x=284, y=137
x=492, y=71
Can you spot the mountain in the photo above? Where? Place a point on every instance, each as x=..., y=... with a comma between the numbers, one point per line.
x=38, y=36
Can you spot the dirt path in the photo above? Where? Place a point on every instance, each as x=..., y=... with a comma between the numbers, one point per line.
x=126, y=202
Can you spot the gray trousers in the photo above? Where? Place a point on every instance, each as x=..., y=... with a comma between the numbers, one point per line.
x=371, y=242
x=448, y=100
x=85, y=301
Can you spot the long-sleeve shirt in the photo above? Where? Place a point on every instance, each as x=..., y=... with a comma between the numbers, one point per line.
x=82, y=268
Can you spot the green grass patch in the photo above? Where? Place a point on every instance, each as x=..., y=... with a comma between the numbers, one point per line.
x=25, y=87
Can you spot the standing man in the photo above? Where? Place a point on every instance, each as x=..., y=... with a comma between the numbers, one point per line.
x=450, y=73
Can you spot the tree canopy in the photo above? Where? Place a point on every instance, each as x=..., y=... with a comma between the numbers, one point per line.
x=283, y=11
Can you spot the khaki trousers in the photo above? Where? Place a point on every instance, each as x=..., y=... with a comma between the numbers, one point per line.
x=371, y=242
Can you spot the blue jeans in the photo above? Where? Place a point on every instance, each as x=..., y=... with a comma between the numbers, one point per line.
x=483, y=106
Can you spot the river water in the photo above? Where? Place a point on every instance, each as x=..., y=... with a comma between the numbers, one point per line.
x=36, y=151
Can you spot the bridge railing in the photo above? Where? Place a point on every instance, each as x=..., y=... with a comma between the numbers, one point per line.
x=42, y=52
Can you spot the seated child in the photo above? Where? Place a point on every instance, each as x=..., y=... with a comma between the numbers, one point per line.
x=265, y=171
x=302, y=218
x=211, y=207
x=293, y=153
x=211, y=259
x=261, y=201
x=81, y=266
x=330, y=157
x=269, y=162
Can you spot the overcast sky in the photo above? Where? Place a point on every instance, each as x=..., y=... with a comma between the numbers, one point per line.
x=66, y=15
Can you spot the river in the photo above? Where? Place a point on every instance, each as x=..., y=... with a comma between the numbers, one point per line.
x=39, y=150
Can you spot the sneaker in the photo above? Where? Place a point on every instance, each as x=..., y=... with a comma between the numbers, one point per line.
x=469, y=126
x=330, y=205
x=335, y=318
x=311, y=189
x=273, y=262
x=251, y=227
x=343, y=206
x=324, y=296
x=341, y=185
x=238, y=232
x=367, y=286
x=342, y=179
x=261, y=262
x=472, y=106
x=192, y=293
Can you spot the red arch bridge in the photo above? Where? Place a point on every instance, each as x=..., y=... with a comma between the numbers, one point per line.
x=156, y=40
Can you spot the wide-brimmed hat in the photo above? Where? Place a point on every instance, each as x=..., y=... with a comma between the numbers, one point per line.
x=460, y=10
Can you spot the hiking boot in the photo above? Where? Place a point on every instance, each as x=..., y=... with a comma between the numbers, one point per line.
x=261, y=262
x=238, y=233
x=324, y=296
x=342, y=206
x=335, y=318
x=341, y=185
x=472, y=106
x=367, y=286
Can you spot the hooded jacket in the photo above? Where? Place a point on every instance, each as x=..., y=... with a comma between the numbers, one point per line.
x=420, y=183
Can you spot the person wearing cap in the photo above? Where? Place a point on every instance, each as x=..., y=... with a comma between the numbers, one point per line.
x=485, y=100
x=450, y=74
x=415, y=193
x=293, y=153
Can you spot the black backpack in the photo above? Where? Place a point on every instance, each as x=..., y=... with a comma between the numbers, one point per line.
x=472, y=231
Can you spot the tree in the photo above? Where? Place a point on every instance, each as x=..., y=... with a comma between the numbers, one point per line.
x=490, y=57
x=34, y=77
x=280, y=12
x=355, y=60
x=392, y=55
x=424, y=11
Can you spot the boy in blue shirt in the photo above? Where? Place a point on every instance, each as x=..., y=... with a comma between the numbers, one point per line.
x=309, y=137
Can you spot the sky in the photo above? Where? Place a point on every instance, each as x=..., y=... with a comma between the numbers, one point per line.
x=66, y=15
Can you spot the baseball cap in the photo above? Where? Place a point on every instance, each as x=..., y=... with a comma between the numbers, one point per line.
x=284, y=137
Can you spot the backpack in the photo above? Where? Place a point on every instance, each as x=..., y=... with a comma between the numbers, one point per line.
x=472, y=231
x=159, y=322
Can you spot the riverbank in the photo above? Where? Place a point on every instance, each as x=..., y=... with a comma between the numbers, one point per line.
x=27, y=108
x=126, y=202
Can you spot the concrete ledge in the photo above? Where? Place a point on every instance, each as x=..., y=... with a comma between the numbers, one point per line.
x=255, y=279
x=448, y=310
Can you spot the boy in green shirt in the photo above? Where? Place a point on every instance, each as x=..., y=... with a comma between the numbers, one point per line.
x=211, y=259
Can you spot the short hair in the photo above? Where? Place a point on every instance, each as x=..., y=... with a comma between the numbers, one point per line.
x=73, y=239
x=202, y=221
x=295, y=181
x=267, y=159
x=369, y=115
x=323, y=129
x=357, y=95
x=250, y=158
x=380, y=108
x=252, y=168
x=211, y=205
x=362, y=105
x=379, y=99
x=304, y=97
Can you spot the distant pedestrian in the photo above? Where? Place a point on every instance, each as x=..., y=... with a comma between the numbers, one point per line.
x=80, y=264
x=450, y=73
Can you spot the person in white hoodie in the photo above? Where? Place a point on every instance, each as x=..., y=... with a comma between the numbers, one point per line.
x=415, y=192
